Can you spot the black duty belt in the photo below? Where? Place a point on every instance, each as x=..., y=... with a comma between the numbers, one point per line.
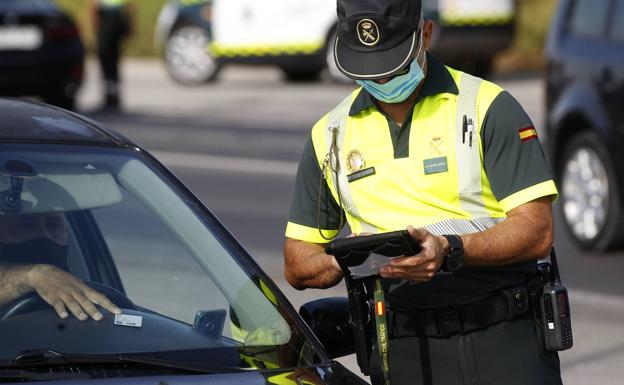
x=445, y=322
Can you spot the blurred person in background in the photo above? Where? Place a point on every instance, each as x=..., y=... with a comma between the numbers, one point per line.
x=112, y=19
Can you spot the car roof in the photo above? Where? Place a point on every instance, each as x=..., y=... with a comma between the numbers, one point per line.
x=25, y=121
x=31, y=7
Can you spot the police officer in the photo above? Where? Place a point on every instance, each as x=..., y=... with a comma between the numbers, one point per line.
x=455, y=160
x=113, y=24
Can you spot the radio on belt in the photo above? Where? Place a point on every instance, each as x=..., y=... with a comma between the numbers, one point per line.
x=555, y=307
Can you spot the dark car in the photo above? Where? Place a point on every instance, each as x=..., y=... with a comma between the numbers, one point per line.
x=41, y=53
x=195, y=306
x=585, y=118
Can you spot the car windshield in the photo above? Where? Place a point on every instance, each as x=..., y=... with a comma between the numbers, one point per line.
x=117, y=222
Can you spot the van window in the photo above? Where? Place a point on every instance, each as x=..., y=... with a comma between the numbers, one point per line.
x=617, y=26
x=588, y=18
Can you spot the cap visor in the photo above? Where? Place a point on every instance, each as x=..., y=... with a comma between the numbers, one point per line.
x=372, y=65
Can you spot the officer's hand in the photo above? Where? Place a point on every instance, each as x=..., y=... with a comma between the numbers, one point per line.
x=422, y=266
x=62, y=290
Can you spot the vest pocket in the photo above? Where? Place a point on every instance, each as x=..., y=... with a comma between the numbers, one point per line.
x=469, y=168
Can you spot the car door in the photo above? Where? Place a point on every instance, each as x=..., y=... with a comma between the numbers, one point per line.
x=612, y=79
x=271, y=26
x=585, y=54
x=613, y=72
x=474, y=12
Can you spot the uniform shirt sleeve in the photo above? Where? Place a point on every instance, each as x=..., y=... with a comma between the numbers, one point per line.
x=307, y=213
x=513, y=158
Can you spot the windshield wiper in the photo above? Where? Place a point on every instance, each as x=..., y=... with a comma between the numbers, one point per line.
x=15, y=375
x=43, y=357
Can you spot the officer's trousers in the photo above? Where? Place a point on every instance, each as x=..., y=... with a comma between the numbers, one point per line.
x=509, y=353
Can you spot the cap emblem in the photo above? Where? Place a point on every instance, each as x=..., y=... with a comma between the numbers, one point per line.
x=368, y=33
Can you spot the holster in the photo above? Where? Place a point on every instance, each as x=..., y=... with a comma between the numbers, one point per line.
x=359, y=313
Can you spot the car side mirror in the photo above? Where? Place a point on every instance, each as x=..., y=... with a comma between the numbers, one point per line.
x=329, y=320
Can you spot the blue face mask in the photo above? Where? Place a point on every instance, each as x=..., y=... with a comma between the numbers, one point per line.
x=398, y=88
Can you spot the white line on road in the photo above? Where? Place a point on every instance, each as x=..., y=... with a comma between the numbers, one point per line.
x=226, y=163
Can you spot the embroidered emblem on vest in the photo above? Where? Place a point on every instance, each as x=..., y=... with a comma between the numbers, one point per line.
x=355, y=161
x=435, y=145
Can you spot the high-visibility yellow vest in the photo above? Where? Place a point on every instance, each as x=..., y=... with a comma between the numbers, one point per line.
x=457, y=201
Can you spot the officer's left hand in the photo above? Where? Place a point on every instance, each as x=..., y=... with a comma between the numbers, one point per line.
x=422, y=266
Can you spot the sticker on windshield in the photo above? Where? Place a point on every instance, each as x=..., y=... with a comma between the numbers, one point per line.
x=128, y=320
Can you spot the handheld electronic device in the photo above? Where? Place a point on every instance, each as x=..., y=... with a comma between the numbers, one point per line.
x=354, y=251
x=555, y=308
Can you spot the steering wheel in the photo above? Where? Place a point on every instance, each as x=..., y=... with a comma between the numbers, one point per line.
x=30, y=302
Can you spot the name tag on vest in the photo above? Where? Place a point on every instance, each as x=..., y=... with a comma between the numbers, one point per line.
x=435, y=165
x=361, y=174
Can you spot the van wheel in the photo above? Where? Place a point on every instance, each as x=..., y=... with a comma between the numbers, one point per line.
x=590, y=195
x=188, y=58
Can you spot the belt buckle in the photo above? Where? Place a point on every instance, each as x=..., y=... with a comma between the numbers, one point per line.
x=448, y=322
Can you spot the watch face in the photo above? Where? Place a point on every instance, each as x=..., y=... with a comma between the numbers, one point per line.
x=454, y=261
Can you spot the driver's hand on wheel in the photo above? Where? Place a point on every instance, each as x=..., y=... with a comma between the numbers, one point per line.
x=64, y=291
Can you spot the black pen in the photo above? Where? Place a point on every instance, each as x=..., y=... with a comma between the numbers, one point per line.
x=470, y=128
x=464, y=129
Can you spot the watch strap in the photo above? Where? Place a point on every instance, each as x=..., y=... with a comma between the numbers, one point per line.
x=456, y=245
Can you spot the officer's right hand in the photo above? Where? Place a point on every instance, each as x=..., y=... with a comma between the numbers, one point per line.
x=62, y=291
x=422, y=266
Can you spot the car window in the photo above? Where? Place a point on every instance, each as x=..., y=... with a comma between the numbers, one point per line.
x=617, y=26
x=135, y=237
x=588, y=18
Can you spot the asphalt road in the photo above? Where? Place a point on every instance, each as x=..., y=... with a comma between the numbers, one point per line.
x=236, y=144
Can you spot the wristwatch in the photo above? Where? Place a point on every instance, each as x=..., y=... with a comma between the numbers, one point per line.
x=454, y=260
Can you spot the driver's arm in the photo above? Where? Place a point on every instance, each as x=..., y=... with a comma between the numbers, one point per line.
x=58, y=288
x=13, y=282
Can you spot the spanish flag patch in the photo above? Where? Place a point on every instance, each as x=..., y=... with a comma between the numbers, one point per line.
x=380, y=308
x=527, y=134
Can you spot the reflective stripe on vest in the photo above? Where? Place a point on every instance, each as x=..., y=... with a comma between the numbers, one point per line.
x=467, y=159
x=334, y=135
x=470, y=179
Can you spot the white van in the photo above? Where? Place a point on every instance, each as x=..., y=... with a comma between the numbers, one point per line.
x=198, y=36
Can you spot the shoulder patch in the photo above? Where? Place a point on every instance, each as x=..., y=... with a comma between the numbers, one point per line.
x=527, y=133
